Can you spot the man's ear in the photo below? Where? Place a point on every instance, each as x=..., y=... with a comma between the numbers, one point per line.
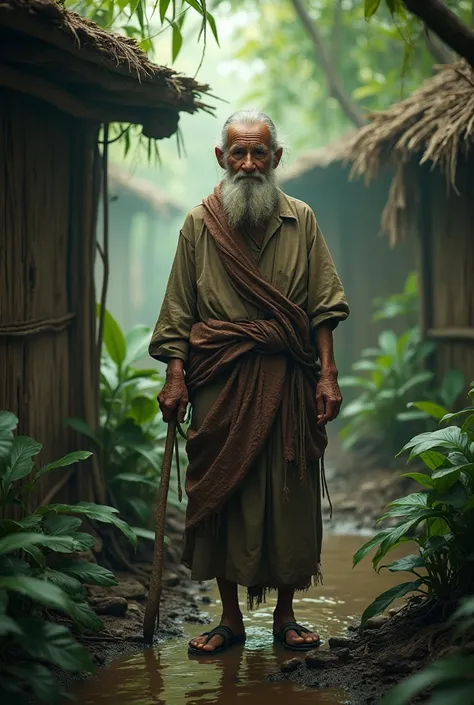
x=277, y=157
x=220, y=157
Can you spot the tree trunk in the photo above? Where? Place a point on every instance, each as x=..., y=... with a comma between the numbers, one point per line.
x=442, y=21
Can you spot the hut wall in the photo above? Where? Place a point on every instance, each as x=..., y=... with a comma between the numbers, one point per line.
x=48, y=198
x=447, y=244
x=349, y=215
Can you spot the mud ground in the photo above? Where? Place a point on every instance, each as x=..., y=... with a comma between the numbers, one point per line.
x=369, y=663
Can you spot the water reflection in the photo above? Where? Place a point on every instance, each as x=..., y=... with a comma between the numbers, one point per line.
x=166, y=676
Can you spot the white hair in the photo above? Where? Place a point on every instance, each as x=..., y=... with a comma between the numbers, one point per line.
x=251, y=117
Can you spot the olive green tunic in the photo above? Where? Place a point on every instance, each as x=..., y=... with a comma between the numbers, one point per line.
x=263, y=540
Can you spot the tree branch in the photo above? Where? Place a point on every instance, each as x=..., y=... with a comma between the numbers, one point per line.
x=443, y=22
x=351, y=109
x=336, y=33
x=438, y=49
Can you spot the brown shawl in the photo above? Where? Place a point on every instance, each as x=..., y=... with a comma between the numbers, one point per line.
x=271, y=367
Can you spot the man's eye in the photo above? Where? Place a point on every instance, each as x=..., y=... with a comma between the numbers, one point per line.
x=237, y=153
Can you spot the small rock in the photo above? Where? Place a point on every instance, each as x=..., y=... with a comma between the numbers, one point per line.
x=129, y=589
x=376, y=622
x=134, y=607
x=341, y=642
x=395, y=610
x=342, y=654
x=320, y=659
x=290, y=666
x=206, y=600
x=395, y=665
x=114, y=606
x=172, y=580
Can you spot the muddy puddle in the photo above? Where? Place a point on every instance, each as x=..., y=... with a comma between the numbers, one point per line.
x=165, y=675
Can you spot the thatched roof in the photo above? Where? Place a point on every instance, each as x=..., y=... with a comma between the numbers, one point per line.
x=87, y=71
x=321, y=158
x=125, y=186
x=435, y=125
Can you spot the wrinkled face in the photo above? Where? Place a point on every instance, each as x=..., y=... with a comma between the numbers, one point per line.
x=249, y=152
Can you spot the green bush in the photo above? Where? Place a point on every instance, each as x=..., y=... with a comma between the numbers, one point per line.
x=131, y=433
x=443, y=566
x=38, y=567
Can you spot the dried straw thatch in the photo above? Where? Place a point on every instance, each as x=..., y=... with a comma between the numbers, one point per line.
x=434, y=125
x=126, y=187
x=89, y=72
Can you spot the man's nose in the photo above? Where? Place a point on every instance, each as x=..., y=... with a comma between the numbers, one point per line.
x=248, y=166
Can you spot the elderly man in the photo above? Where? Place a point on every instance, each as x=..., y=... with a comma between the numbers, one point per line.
x=246, y=332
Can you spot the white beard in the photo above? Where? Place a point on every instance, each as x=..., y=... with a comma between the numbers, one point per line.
x=249, y=201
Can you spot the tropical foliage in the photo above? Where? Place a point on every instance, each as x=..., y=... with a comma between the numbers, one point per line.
x=40, y=573
x=389, y=376
x=131, y=435
x=443, y=509
x=144, y=21
x=449, y=679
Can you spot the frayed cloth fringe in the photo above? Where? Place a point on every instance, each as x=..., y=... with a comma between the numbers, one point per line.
x=257, y=594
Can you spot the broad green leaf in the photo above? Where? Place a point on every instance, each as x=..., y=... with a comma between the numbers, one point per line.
x=410, y=416
x=32, y=521
x=41, y=681
x=196, y=5
x=452, y=386
x=114, y=340
x=444, y=670
x=69, y=459
x=143, y=409
x=145, y=533
x=419, y=477
x=457, y=469
x=417, y=499
x=37, y=555
x=57, y=525
x=130, y=477
x=39, y=590
x=433, y=459
x=82, y=427
x=468, y=424
x=401, y=531
x=60, y=544
x=22, y=451
x=19, y=541
x=351, y=381
x=408, y=564
x=435, y=544
x=8, y=626
x=374, y=542
x=457, y=496
x=384, y=600
x=83, y=541
x=84, y=615
x=436, y=411
x=87, y=572
x=137, y=342
x=94, y=511
x=8, y=423
x=388, y=342
x=54, y=643
x=70, y=585
x=415, y=381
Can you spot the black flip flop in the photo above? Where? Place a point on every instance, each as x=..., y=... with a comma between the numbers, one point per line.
x=229, y=639
x=294, y=627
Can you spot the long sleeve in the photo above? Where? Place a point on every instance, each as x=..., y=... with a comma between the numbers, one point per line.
x=178, y=313
x=327, y=301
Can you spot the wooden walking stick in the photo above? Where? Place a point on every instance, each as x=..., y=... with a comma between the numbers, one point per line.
x=152, y=610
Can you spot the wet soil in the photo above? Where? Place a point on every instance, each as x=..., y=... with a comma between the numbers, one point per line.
x=165, y=674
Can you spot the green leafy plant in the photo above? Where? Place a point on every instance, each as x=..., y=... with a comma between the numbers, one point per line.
x=449, y=679
x=403, y=304
x=388, y=377
x=443, y=509
x=38, y=567
x=131, y=434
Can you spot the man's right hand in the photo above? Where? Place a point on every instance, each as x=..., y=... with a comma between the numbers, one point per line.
x=174, y=395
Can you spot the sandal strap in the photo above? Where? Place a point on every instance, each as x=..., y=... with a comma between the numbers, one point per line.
x=292, y=627
x=221, y=630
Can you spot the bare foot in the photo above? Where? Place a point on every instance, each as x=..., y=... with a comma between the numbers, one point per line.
x=292, y=638
x=202, y=643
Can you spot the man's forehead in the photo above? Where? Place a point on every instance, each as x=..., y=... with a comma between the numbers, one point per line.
x=245, y=132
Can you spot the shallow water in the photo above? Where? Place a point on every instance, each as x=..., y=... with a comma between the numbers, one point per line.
x=165, y=675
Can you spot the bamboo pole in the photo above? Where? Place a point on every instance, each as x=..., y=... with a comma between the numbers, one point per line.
x=152, y=610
